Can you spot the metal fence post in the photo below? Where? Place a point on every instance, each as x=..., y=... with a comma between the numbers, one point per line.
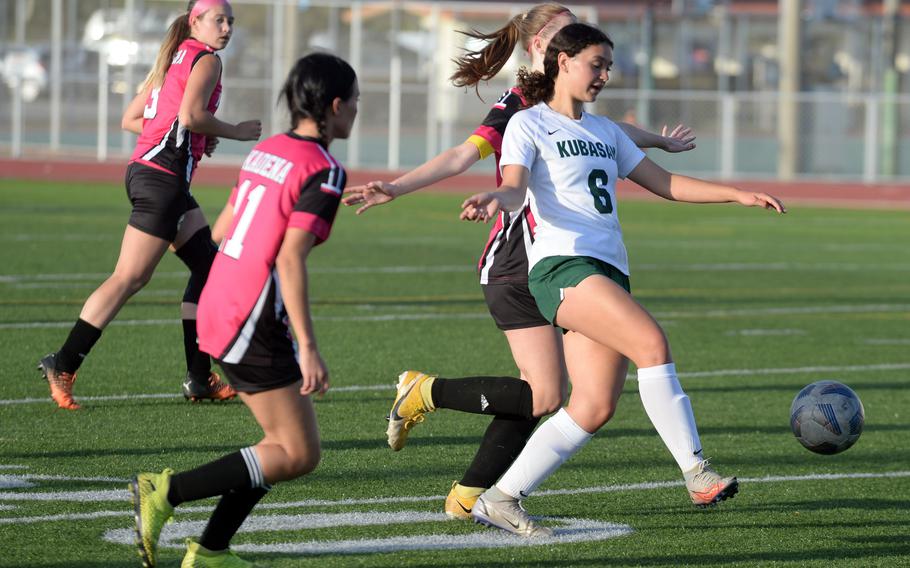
x=870, y=139
x=727, y=136
x=356, y=51
x=394, y=91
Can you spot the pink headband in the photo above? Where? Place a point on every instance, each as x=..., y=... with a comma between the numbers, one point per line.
x=550, y=21
x=206, y=5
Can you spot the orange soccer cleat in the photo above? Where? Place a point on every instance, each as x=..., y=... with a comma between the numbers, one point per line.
x=60, y=382
x=211, y=389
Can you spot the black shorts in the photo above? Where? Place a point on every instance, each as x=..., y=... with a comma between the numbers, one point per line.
x=160, y=200
x=259, y=378
x=512, y=306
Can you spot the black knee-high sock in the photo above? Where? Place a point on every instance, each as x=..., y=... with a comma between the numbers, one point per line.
x=484, y=395
x=504, y=439
x=198, y=254
x=197, y=363
x=235, y=471
x=228, y=515
x=79, y=342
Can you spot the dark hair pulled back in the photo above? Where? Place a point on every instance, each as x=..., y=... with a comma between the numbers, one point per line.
x=571, y=40
x=313, y=83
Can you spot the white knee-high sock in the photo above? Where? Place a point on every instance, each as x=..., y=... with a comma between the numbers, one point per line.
x=558, y=439
x=670, y=411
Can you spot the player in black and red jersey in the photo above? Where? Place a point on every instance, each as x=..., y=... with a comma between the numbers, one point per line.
x=174, y=117
x=517, y=405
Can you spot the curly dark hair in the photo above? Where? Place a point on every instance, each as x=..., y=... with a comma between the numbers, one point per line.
x=571, y=40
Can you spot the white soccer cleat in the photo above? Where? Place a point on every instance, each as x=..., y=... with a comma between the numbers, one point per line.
x=497, y=509
x=707, y=487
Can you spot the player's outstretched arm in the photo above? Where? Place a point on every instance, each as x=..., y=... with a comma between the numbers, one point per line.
x=292, y=272
x=680, y=139
x=693, y=190
x=450, y=163
x=510, y=196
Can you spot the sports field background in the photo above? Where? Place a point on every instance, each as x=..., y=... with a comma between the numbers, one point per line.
x=755, y=305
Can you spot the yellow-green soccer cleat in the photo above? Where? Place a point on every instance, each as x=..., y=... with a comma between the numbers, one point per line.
x=412, y=401
x=460, y=500
x=198, y=556
x=152, y=510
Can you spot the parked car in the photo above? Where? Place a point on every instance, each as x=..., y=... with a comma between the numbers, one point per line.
x=23, y=69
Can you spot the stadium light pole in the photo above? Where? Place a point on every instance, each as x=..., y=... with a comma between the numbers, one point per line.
x=789, y=39
x=356, y=50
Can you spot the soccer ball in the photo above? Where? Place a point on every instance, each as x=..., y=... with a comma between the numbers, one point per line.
x=827, y=417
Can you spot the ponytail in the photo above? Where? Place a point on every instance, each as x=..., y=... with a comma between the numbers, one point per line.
x=482, y=65
x=177, y=33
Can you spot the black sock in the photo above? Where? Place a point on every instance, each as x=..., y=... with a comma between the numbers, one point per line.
x=197, y=363
x=227, y=517
x=214, y=478
x=484, y=395
x=504, y=439
x=79, y=342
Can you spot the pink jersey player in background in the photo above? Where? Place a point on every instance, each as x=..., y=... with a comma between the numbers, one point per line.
x=283, y=205
x=173, y=114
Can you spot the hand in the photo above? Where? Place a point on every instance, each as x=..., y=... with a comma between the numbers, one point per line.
x=248, y=130
x=480, y=208
x=753, y=199
x=315, y=373
x=680, y=140
x=211, y=142
x=371, y=194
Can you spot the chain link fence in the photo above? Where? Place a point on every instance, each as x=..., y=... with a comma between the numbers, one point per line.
x=69, y=67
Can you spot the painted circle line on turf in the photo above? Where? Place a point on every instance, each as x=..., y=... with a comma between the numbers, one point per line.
x=566, y=530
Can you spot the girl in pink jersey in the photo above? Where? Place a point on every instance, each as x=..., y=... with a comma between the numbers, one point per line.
x=517, y=405
x=173, y=114
x=284, y=204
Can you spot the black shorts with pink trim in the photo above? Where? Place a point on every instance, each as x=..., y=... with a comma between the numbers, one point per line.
x=260, y=378
x=512, y=306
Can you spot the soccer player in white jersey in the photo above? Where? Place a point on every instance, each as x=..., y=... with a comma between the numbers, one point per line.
x=515, y=404
x=283, y=206
x=570, y=160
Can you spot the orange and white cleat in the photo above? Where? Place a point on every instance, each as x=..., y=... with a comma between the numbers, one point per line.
x=706, y=486
x=59, y=382
x=213, y=388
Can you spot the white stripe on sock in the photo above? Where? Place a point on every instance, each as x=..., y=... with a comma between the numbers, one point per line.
x=257, y=479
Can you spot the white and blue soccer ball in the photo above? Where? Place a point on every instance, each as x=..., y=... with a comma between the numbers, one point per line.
x=827, y=417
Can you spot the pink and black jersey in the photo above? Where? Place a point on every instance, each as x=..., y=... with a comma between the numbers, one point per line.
x=165, y=144
x=287, y=181
x=505, y=256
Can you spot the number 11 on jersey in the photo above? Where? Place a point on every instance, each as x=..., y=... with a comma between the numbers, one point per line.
x=233, y=245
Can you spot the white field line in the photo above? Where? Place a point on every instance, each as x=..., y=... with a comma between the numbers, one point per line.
x=752, y=312
x=764, y=332
x=165, y=395
x=632, y=376
x=123, y=496
x=899, y=341
x=455, y=268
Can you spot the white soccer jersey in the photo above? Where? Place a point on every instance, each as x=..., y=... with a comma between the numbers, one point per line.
x=574, y=165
